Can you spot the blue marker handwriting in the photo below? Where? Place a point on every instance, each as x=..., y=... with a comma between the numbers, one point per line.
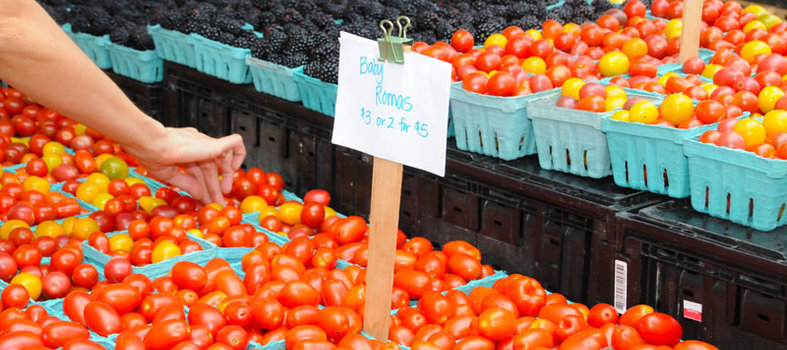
x=372, y=66
x=390, y=123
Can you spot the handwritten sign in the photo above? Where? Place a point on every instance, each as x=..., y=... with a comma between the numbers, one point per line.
x=398, y=112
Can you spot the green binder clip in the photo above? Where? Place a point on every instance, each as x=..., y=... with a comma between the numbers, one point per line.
x=392, y=48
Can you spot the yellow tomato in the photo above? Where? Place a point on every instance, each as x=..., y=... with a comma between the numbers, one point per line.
x=269, y=210
x=755, y=9
x=49, y=229
x=10, y=225
x=148, y=203
x=770, y=20
x=84, y=227
x=620, y=115
x=114, y=168
x=775, y=122
x=613, y=103
x=710, y=70
x=133, y=181
x=53, y=147
x=195, y=232
x=615, y=91
x=752, y=25
x=673, y=28
x=534, y=65
x=754, y=48
x=216, y=206
x=101, y=199
x=80, y=129
x=496, y=39
x=751, y=130
x=52, y=161
x=100, y=180
x=676, y=108
x=614, y=63
x=120, y=242
x=571, y=87
x=535, y=34
x=709, y=87
x=68, y=225
x=290, y=213
x=35, y=183
x=30, y=282
x=329, y=212
x=644, y=112
x=663, y=79
x=571, y=27
x=251, y=204
x=768, y=97
x=164, y=251
x=86, y=191
x=24, y=140
x=635, y=48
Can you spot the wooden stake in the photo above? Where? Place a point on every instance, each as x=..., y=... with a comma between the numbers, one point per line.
x=690, y=35
x=384, y=221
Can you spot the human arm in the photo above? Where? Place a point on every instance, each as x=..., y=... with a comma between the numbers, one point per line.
x=39, y=59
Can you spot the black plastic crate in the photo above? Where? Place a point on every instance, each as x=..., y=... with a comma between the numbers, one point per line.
x=280, y=136
x=148, y=97
x=725, y=283
x=552, y=226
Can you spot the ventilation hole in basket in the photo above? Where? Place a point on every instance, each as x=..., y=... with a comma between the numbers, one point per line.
x=585, y=159
x=627, y=171
x=458, y=209
x=751, y=207
x=480, y=139
x=497, y=145
x=271, y=139
x=729, y=201
x=666, y=179
x=707, y=197
x=645, y=173
x=498, y=223
x=242, y=128
x=781, y=211
x=550, y=152
x=688, y=293
x=764, y=317
x=568, y=158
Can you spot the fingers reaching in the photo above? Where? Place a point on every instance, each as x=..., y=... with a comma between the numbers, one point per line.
x=211, y=176
x=226, y=172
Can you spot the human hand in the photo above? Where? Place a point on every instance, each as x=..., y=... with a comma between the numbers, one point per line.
x=199, y=155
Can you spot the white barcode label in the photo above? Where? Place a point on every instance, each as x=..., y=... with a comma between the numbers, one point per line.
x=621, y=285
x=692, y=310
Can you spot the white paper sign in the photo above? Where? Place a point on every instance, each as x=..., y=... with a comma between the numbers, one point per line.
x=394, y=111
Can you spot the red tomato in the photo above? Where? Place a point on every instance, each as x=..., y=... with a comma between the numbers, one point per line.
x=188, y=275
x=74, y=306
x=165, y=335
x=462, y=41
x=102, y=318
x=660, y=329
x=602, y=314
x=56, y=334
x=632, y=316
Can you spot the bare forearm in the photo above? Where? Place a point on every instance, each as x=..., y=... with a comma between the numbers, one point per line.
x=39, y=59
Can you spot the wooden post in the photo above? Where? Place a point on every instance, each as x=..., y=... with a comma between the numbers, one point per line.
x=690, y=35
x=384, y=221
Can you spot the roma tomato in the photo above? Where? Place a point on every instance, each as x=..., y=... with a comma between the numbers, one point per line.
x=660, y=329
x=56, y=334
x=102, y=318
x=167, y=334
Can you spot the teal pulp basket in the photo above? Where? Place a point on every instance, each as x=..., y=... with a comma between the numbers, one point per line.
x=737, y=185
x=492, y=125
x=650, y=157
x=143, y=66
x=316, y=94
x=174, y=46
x=273, y=79
x=221, y=60
x=570, y=140
x=96, y=47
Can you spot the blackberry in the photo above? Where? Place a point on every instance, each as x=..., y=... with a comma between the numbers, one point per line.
x=172, y=20
x=522, y=9
x=295, y=60
x=530, y=21
x=225, y=38
x=275, y=39
x=580, y=11
x=120, y=35
x=491, y=26
x=228, y=25
x=205, y=11
x=141, y=40
x=444, y=31
x=561, y=14
x=243, y=41
x=600, y=7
